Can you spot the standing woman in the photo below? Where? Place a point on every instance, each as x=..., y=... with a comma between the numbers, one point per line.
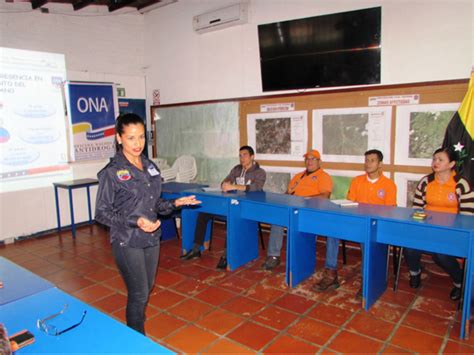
x=129, y=202
x=441, y=191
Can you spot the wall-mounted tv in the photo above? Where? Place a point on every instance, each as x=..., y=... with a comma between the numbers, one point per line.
x=339, y=49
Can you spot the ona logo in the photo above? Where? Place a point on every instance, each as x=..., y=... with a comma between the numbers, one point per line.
x=452, y=196
x=91, y=104
x=381, y=193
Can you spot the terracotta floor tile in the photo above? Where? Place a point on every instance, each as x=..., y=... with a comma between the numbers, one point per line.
x=189, y=270
x=390, y=349
x=191, y=339
x=62, y=275
x=286, y=344
x=190, y=309
x=252, y=335
x=436, y=307
x=264, y=293
x=312, y=330
x=453, y=347
x=294, y=303
x=47, y=270
x=434, y=291
x=243, y=306
x=211, y=277
x=168, y=278
x=399, y=297
x=87, y=268
x=220, y=321
x=344, y=300
x=162, y=325
x=236, y=284
x=93, y=293
x=253, y=275
x=455, y=332
x=111, y=303
x=164, y=299
x=189, y=287
x=417, y=341
x=116, y=283
x=387, y=311
x=225, y=346
x=275, y=317
x=353, y=343
x=215, y=296
x=366, y=324
x=102, y=274
x=426, y=322
x=74, y=284
x=330, y=314
x=169, y=262
x=277, y=280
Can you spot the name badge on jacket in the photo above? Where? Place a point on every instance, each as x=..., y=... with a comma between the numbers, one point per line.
x=152, y=171
x=240, y=180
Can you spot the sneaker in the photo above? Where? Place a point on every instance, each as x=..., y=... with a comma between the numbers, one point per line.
x=222, y=264
x=329, y=281
x=455, y=294
x=271, y=262
x=415, y=280
x=190, y=255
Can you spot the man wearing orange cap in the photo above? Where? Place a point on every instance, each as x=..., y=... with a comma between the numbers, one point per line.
x=372, y=188
x=313, y=182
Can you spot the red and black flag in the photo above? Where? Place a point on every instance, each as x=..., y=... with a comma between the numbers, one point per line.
x=460, y=133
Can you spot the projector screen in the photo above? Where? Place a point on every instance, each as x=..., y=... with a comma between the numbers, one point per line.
x=33, y=138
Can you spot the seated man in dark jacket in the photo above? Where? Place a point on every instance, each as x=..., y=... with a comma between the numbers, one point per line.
x=247, y=176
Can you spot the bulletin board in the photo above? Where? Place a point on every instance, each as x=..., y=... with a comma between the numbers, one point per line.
x=406, y=122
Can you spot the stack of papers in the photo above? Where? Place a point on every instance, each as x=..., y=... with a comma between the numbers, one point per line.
x=345, y=203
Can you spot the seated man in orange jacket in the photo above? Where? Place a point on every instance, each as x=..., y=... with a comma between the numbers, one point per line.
x=373, y=188
x=313, y=182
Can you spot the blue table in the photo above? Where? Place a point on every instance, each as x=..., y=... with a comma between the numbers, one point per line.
x=19, y=282
x=246, y=211
x=98, y=333
x=215, y=202
x=171, y=191
x=443, y=233
x=71, y=185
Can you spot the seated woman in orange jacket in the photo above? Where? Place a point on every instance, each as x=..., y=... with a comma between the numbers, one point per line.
x=441, y=191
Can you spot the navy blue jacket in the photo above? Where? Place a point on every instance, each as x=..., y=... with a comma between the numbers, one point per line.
x=127, y=193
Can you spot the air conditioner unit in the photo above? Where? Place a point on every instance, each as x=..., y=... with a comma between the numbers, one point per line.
x=222, y=18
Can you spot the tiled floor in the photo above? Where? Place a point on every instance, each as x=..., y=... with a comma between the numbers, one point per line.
x=195, y=308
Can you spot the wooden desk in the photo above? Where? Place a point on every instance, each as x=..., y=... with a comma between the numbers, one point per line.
x=71, y=185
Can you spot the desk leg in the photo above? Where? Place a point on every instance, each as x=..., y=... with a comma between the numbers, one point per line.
x=58, y=216
x=89, y=204
x=374, y=273
x=73, y=225
x=188, y=227
x=242, y=239
x=468, y=303
x=301, y=261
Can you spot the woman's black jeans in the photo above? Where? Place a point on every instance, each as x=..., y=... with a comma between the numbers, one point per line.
x=138, y=269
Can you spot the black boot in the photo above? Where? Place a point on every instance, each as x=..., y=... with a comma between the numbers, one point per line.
x=190, y=255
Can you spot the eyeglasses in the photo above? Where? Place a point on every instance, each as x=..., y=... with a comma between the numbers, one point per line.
x=51, y=329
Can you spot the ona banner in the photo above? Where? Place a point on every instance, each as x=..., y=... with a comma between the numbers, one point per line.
x=92, y=110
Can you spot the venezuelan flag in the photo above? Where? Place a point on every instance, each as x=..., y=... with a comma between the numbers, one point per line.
x=460, y=134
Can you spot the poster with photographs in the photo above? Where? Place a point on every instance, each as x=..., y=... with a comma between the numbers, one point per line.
x=278, y=177
x=406, y=186
x=344, y=135
x=420, y=131
x=278, y=135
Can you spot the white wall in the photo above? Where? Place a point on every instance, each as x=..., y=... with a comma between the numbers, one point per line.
x=422, y=40
x=100, y=48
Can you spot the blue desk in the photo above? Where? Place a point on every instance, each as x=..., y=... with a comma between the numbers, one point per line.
x=18, y=282
x=246, y=211
x=441, y=233
x=98, y=333
x=71, y=185
x=216, y=203
x=172, y=191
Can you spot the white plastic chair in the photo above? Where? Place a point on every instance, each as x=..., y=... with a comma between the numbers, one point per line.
x=169, y=174
x=161, y=162
x=186, y=168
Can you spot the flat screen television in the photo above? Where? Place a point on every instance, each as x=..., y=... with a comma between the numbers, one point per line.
x=341, y=49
